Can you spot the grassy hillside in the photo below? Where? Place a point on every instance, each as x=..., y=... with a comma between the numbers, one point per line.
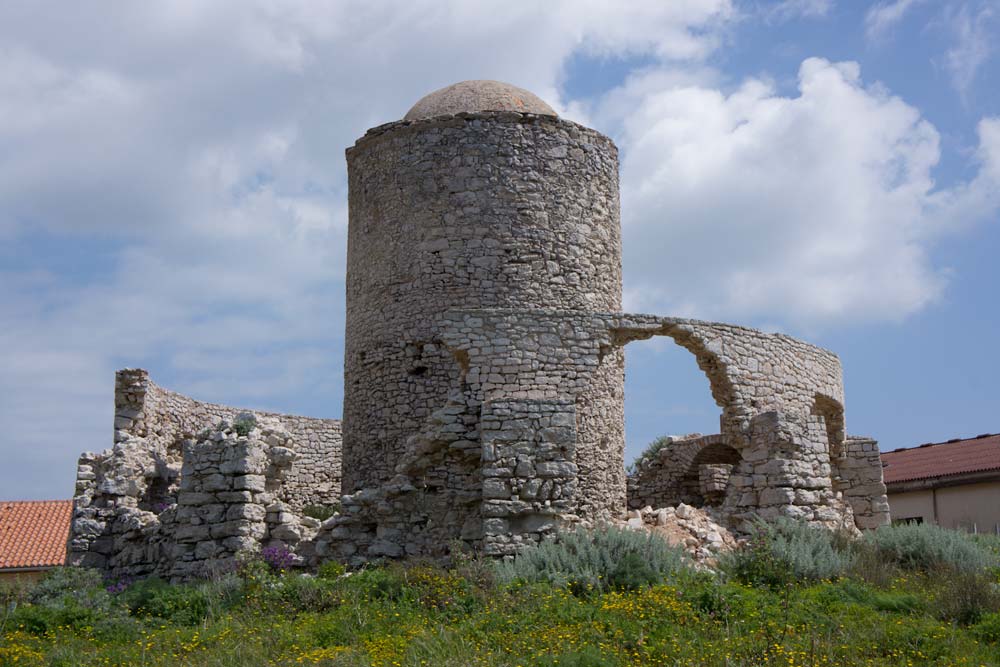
x=792, y=597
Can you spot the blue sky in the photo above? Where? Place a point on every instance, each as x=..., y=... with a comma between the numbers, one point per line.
x=173, y=194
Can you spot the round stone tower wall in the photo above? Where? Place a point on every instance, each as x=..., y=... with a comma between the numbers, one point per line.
x=480, y=210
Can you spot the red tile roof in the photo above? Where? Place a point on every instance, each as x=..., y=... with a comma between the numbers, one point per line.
x=955, y=457
x=34, y=533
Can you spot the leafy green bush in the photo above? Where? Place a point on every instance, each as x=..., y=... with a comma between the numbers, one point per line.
x=302, y=593
x=80, y=583
x=600, y=560
x=321, y=512
x=331, y=570
x=926, y=547
x=74, y=599
x=650, y=451
x=475, y=567
x=13, y=592
x=706, y=593
x=870, y=567
x=988, y=628
x=784, y=551
x=244, y=423
x=962, y=596
x=39, y=619
x=377, y=583
x=438, y=588
x=990, y=544
x=183, y=604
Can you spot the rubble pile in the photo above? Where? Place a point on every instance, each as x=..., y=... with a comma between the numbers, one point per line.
x=699, y=531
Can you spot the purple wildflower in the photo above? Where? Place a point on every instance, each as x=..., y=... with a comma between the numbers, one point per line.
x=118, y=586
x=279, y=557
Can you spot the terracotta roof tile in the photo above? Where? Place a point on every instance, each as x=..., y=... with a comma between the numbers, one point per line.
x=34, y=533
x=954, y=457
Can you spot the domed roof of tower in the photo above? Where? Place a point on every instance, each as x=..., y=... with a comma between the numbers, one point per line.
x=478, y=95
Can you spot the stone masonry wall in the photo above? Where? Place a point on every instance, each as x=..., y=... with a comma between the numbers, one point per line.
x=671, y=475
x=484, y=383
x=858, y=473
x=165, y=418
x=228, y=502
x=480, y=210
x=536, y=364
x=130, y=500
x=530, y=473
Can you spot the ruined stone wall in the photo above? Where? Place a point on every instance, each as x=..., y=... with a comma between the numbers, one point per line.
x=137, y=504
x=858, y=474
x=782, y=410
x=676, y=473
x=541, y=364
x=531, y=472
x=671, y=475
x=484, y=210
x=165, y=418
x=225, y=503
x=766, y=384
x=484, y=380
x=229, y=501
x=513, y=355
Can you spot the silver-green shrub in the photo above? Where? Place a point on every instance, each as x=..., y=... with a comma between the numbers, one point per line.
x=925, y=546
x=651, y=450
x=784, y=551
x=602, y=559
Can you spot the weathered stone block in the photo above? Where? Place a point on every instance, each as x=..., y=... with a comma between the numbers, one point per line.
x=495, y=488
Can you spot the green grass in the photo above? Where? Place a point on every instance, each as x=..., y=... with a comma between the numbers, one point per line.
x=416, y=614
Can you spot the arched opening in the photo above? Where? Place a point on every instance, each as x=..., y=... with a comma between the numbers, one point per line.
x=673, y=425
x=665, y=394
x=707, y=478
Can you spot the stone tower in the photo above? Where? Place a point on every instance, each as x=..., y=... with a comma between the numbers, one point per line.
x=484, y=380
x=484, y=353
x=480, y=198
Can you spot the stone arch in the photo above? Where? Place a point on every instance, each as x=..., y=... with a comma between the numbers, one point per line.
x=675, y=476
x=708, y=361
x=707, y=476
x=734, y=419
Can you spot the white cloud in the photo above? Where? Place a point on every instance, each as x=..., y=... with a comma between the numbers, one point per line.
x=812, y=210
x=974, y=33
x=786, y=10
x=149, y=95
x=966, y=203
x=882, y=16
x=205, y=143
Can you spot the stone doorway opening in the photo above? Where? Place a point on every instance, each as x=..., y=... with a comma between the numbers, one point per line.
x=669, y=421
x=707, y=477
